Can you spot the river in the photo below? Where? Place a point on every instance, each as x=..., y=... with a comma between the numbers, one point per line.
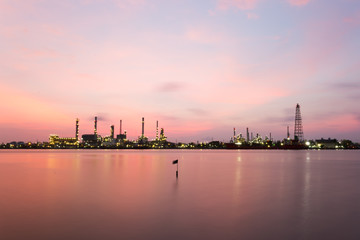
x=219, y=194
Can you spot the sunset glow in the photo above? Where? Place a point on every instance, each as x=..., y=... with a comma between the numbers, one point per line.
x=200, y=68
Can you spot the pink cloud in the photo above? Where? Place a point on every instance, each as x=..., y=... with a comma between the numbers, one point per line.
x=275, y=38
x=252, y=16
x=38, y=53
x=337, y=124
x=126, y=4
x=170, y=87
x=355, y=19
x=211, y=13
x=3, y=6
x=119, y=76
x=11, y=7
x=321, y=42
x=240, y=4
x=298, y=2
x=203, y=35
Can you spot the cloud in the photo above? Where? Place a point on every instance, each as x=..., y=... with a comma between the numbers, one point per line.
x=354, y=97
x=170, y=87
x=240, y=4
x=126, y=4
x=336, y=123
x=198, y=111
x=35, y=53
x=357, y=117
x=354, y=19
x=251, y=15
x=279, y=120
x=167, y=118
x=203, y=35
x=14, y=8
x=347, y=86
x=211, y=13
x=298, y=2
x=349, y=90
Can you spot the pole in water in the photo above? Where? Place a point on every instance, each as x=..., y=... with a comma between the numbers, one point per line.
x=177, y=167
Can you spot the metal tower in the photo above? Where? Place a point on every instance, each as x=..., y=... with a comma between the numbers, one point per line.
x=157, y=131
x=143, y=126
x=298, y=130
x=77, y=131
x=95, y=126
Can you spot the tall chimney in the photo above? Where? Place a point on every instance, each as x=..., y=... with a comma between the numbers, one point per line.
x=157, y=130
x=247, y=134
x=288, y=133
x=142, y=132
x=112, y=131
x=95, y=126
x=77, y=130
x=120, y=126
x=234, y=134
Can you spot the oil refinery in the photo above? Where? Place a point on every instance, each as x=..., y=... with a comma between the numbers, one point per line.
x=249, y=140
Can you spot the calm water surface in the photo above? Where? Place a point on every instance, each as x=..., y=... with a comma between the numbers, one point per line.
x=121, y=194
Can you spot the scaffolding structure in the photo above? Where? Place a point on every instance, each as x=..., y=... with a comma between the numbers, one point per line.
x=298, y=130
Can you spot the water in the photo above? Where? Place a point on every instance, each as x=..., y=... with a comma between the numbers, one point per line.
x=121, y=194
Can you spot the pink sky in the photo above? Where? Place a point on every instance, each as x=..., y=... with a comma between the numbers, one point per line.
x=199, y=67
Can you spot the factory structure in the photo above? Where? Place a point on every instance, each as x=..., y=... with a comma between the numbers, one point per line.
x=69, y=142
x=249, y=140
x=94, y=140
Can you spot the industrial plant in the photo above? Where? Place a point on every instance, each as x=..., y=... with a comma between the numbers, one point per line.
x=94, y=140
x=237, y=141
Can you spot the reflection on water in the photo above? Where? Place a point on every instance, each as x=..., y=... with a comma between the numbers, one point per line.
x=111, y=194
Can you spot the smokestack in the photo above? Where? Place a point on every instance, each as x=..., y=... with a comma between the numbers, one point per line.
x=120, y=126
x=252, y=136
x=77, y=130
x=95, y=126
x=112, y=131
x=142, y=132
x=157, y=130
x=234, y=134
x=288, y=133
x=247, y=134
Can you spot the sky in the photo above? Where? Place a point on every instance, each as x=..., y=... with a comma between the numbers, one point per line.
x=199, y=67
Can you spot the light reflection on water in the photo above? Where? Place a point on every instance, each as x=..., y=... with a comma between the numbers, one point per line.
x=111, y=194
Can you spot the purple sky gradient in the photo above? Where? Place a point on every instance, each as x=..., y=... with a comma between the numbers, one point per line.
x=199, y=67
